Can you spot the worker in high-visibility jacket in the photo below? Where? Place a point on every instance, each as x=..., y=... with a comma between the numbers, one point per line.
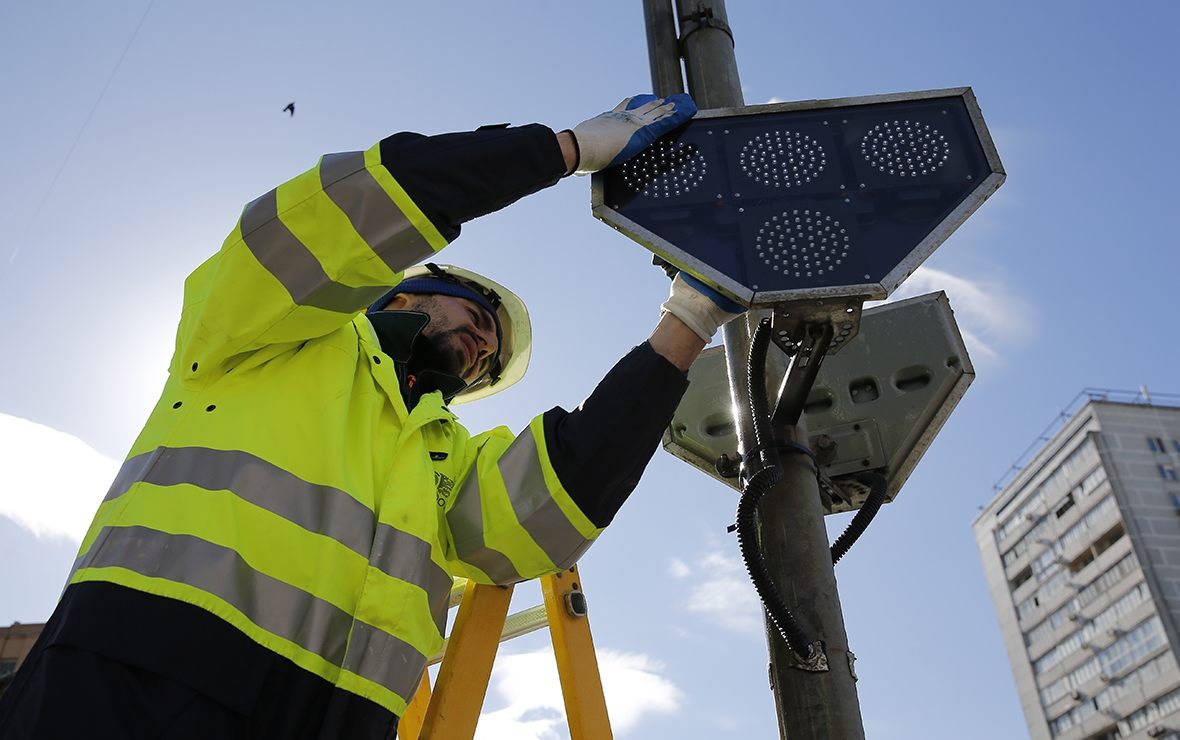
x=275, y=557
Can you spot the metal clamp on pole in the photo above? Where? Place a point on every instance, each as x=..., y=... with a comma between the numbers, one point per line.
x=816, y=660
x=702, y=17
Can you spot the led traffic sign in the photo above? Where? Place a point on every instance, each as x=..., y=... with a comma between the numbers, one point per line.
x=814, y=199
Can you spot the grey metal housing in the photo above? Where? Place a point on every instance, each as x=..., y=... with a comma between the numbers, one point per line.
x=881, y=401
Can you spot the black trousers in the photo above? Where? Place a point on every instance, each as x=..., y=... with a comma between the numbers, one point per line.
x=64, y=692
x=114, y=663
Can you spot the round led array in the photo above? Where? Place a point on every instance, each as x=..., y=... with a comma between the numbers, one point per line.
x=905, y=148
x=782, y=158
x=665, y=169
x=802, y=243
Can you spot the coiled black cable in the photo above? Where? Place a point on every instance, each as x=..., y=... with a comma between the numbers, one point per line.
x=759, y=403
x=761, y=481
x=876, y=483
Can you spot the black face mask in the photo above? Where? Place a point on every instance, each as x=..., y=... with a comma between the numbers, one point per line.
x=421, y=366
x=430, y=359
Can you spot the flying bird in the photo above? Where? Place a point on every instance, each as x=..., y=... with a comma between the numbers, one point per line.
x=290, y=108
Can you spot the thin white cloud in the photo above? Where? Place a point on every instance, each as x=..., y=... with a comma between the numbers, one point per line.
x=678, y=568
x=727, y=724
x=775, y=99
x=990, y=316
x=721, y=593
x=632, y=683
x=51, y=481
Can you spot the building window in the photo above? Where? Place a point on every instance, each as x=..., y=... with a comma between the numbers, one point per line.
x=1021, y=577
x=1155, y=444
x=1161, y=707
x=1102, y=583
x=1167, y=472
x=1083, y=457
x=1110, y=661
x=1104, y=543
x=1027, y=607
x=1080, y=529
x=1095, y=478
x=1070, y=610
x=1065, y=505
x=1134, y=645
x=1088, y=707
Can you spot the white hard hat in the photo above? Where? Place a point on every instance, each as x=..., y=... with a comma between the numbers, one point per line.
x=514, y=327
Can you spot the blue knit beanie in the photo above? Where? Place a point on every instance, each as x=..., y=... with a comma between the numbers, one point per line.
x=430, y=285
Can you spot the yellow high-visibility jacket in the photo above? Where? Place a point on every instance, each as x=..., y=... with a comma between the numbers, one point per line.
x=282, y=484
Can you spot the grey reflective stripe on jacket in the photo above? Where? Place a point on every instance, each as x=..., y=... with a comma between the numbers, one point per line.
x=380, y=657
x=323, y=509
x=534, y=506
x=293, y=265
x=377, y=219
x=266, y=601
x=278, y=607
x=532, y=503
x=316, y=508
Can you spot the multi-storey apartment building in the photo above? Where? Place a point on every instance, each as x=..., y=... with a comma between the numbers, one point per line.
x=1081, y=552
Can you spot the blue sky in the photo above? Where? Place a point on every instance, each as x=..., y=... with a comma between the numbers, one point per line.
x=1064, y=279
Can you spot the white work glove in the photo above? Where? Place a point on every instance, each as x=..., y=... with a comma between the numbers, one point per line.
x=617, y=135
x=701, y=308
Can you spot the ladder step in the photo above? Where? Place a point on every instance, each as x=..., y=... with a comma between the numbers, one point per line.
x=521, y=623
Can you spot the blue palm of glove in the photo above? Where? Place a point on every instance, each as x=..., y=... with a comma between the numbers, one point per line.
x=683, y=108
x=725, y=304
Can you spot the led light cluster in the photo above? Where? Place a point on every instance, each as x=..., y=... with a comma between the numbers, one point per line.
x=802, y=243
x=905, y=148
x=782, y=158
x=665, y=170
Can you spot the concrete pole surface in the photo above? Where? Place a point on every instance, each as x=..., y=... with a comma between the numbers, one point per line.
x=811, y=706
x=794, y=542
x=709, y=62
x=713, y=82
x=663, y=48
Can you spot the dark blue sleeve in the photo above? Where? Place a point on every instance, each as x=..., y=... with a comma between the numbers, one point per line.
x=455, y=178
x=600, y=449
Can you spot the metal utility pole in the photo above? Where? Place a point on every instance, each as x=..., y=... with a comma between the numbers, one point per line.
x=663, y=47
x=812, y=705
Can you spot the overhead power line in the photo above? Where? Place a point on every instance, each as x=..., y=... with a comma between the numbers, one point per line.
x=74, y=145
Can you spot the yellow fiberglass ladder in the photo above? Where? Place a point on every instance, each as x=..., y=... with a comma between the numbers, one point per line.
x=451, y=710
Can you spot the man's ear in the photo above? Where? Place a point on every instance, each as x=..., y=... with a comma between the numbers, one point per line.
x=400, y=302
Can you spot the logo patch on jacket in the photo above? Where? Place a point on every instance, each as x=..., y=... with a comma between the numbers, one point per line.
x=444, y=486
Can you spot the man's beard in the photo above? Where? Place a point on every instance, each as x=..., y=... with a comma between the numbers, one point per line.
x=443, y=352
